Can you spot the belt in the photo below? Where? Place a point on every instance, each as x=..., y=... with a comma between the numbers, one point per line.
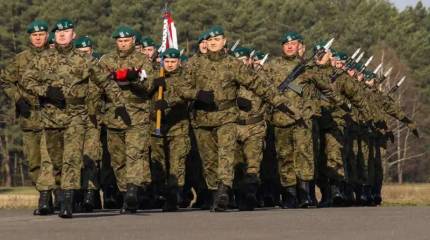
x=249, y=121
x=136, y=100
x=75, y=101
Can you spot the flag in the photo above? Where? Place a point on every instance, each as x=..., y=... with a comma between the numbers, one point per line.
x=170, y=39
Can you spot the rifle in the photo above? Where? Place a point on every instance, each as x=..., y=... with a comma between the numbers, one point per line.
x=393, y=89
x=348, y=65
x=300, y=68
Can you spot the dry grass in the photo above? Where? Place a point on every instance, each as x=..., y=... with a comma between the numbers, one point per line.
x=406, y=194
x=393, y=194
x=19, y=197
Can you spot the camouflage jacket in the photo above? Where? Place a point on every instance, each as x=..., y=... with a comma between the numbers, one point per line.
x=72, y=71
x=10, y=76
x=135, y=95
x=304, y=99
x=223, y=74
x=174, y=120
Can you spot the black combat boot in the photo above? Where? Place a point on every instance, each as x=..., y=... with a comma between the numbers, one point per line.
x=337, y=198
x=304, y=194
x=131, y=198
x=376, y=196
x=109, y=200
x=58, y=198
x=248, y=193
x=66, y=208
x=325, y=195
x=89, y=200
x=221, y=198
x=348, y=193
x=207, y=198
x=171, y=203
x=45, y=204
x=366, y=196
x=289, y=197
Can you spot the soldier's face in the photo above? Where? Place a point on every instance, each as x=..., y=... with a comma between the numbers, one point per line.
x=203, y=46
x=138, y=48
x=148, y=51
x=370, y=82
x=360, y=76
x=291, y=48
x=64, y=37
x=216, y=44
x=38, y=39
x=351, y=72
x=87, y=50
x=171, y=64
x=124, y=44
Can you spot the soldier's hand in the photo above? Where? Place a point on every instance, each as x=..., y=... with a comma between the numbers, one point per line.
x=23, y=108
x=120, y=75
x=123, y=114
x=93, y=120
x=206, y=97
x=161, y=104
x=160, y=82
x=133, y=74
x=56, y=96
x=244, y=104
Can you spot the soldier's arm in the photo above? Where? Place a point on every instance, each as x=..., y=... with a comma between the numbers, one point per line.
x=101, y=75
x=186, y=89
x=34, y=75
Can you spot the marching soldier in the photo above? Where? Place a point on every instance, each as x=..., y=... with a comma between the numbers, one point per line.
x=128, y=128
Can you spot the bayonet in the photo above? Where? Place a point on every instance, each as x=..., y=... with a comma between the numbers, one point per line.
x=377, y=68
x=355, y=53
x=235, y=45
x=368, y=62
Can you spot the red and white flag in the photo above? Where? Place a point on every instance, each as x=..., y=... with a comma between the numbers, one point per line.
x=170, y=39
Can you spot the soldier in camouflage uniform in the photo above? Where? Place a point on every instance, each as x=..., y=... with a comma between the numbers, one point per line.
x=251, y=130
x=149, y=49
x=213, y=82
x=61, y=77
x=170, y=150
x=294, y=139
x=92, y=143
x=129, y=139
x=28, y=108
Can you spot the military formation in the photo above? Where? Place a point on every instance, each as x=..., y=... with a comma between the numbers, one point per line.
x=226, y=128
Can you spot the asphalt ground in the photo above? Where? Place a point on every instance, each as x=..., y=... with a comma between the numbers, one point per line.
x=326, y=224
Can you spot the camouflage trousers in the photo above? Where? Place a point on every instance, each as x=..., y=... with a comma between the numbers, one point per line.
x=217, y=148
x=333, y=148
x=64, y=153
x=294, y=149
x=168, y=155
x=129, y=151
x=251, y=143
x=91, y=159
x=32, y=152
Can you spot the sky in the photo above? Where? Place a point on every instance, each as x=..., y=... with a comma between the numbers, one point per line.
x=401, y=4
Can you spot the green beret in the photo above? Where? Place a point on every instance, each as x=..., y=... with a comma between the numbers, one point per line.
x=51, y=38
x=123, y=32
x=241, y=52
x=63, y=24
x=147, y=42
x=340, y=55
x=358, y=66
x=184, y=58
x=138, y=37
x=291, y=36
x=215, y=31
x=82, y=42
x=37, y=26
x=202, y=36
x=259, y=55
x=171, y=53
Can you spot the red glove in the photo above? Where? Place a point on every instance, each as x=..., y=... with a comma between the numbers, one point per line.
x=121, y=75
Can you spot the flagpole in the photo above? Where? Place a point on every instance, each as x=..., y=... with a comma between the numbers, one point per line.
x=160, y=88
